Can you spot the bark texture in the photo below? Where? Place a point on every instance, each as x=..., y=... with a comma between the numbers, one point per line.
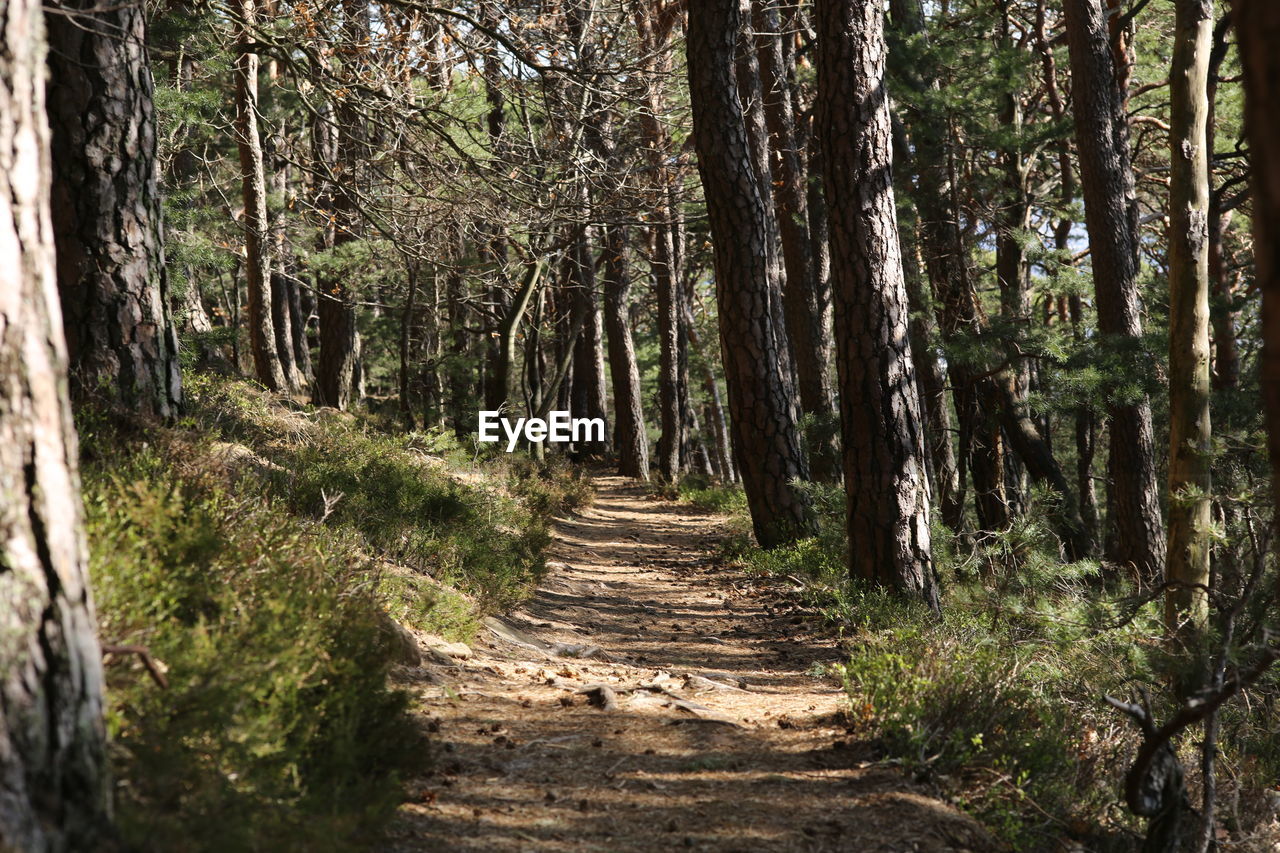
x=885, y=468
x=106, y=210
x=654, y=23
x=1135, y=529
x=801, y=294
x=53, y=781
x=629, y=437
x=1189, y=384
x=761, y=400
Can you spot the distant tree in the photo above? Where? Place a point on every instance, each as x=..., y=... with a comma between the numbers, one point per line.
x=257, y=245
x=1136, y=530
x=53, y=780
x=106, y=210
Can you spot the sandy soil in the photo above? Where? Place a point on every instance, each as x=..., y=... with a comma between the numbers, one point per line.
x=716, y=732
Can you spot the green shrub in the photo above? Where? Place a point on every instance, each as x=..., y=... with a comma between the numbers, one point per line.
x=1001, y=700
x=277, y=729
x=415, y=499
x=711, y=496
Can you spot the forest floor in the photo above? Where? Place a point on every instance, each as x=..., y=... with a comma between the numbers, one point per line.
x=646, y=698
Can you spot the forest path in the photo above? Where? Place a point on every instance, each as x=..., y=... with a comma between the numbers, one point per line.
x=716, y=737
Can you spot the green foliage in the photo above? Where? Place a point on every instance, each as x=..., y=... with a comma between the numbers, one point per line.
x=1000, y=700
x=479, y=530
x=277, y=729
x=714, y=497
x=252, y=551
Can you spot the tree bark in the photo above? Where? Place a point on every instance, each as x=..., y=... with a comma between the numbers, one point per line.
x=629, y=438
x=1135, y=529
x=1223, y=312
x=723, y=454
x=980, y=452
x=54, y=792
x=460, y=410
x=654, y=23
x=1187, y=565
x=106, y=211
x=800, y=292
x=257, y=226
x=886, y=484
x=1084, y=427
x=932, y=379
x=590, y=392
x=412, y=269
x=761, y=400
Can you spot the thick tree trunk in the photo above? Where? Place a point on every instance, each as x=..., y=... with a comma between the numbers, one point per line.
x=629, y=438
x=106, y=210
x=885, y=465
x=1135, y=529
x=761, y=399
x=1187, y=564
x=257, y=227
x=337, y=348
x=1258, y=30
x=804, y=310
x=751, y=96
x=54, y=792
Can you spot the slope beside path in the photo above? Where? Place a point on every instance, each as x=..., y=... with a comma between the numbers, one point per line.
x=646, y=698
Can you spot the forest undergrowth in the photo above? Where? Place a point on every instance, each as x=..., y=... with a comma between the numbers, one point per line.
x=999, y=702
x=255, y=607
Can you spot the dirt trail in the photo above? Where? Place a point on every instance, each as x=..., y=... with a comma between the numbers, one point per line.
x=722, y=737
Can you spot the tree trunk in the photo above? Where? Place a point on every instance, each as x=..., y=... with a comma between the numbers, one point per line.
x=1085, y=430
x=761, y=400
x=722, y=457
x=629, y=439
x=885, y=477
x=300, y=310
x=932, y=380
x=590, y=392
x=804, y=321
x=1135, y=529
x=946, y=259
x=284, y=308
x=253, y=183
x=1189, y=387
x=1258, y=31
x=654, y=30
x=412, y=268
x=54, y=792
x=1222, y=311
x=460, y=408
x=106, y=211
